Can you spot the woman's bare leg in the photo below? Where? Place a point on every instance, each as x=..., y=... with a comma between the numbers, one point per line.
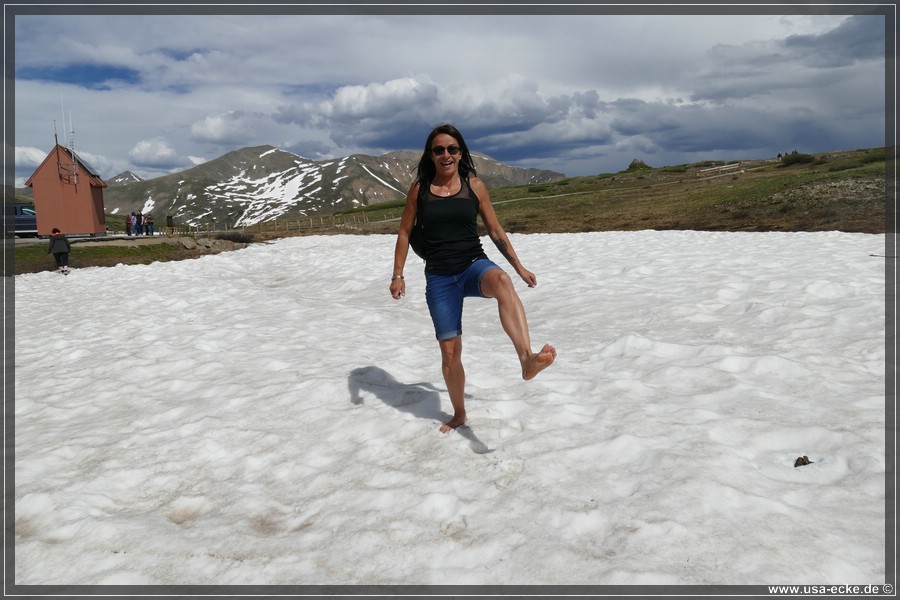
x=497, y=284
x=455, y=378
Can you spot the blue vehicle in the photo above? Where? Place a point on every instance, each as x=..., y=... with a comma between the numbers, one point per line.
x=26, y=219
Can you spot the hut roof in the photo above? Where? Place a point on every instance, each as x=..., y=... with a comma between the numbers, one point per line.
x=93, y=177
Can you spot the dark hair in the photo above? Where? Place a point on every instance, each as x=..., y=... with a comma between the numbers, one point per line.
x=55, y=230
x=425, y=171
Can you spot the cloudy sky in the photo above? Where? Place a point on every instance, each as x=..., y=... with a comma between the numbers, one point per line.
x=580, y=94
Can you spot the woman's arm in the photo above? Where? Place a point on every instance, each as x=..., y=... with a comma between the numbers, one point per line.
x=401, y=249
x=496, y=233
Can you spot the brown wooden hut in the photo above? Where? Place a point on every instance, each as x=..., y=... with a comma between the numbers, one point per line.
x=68, y=195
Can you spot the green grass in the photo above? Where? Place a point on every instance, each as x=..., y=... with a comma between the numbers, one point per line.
x=32, y=258
x=758, y=196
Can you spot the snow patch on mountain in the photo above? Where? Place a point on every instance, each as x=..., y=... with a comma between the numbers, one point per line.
x=379, y=179
x=269, y=197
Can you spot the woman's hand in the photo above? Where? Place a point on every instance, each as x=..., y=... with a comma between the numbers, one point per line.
x=398, y=288
x=527, y=276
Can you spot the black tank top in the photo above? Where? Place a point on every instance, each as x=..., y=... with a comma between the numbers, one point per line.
x=451, y=231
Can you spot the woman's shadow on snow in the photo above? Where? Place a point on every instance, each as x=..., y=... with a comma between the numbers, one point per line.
x=422, y=400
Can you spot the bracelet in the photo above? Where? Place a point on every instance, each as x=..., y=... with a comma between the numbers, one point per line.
x=396, y=277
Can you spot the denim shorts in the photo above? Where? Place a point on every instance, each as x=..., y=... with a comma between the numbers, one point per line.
x=444, y=295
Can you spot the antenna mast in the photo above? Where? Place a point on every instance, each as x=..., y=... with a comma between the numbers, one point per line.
x=72, y=150
x=64, y=173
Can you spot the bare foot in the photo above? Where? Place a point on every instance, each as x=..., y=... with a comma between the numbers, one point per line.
x=456, y=421
x=538, y=362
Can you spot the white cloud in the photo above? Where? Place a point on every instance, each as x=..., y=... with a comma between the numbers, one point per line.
x=29, y=156
x=228, y=127
x=153, y=153
x=381, y=98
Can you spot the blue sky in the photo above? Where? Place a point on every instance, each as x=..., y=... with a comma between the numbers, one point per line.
x=579, y=94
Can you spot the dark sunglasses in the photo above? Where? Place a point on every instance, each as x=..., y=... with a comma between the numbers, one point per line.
x=439, y=150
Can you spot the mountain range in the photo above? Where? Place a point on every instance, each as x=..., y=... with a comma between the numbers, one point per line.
x=262, y=183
